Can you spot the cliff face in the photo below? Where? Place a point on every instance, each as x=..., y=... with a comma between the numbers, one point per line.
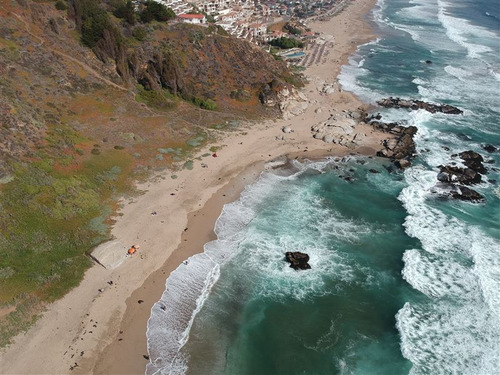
x=193, y=61
x=190, y=61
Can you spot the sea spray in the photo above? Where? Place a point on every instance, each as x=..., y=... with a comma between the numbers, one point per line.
x=455, y=327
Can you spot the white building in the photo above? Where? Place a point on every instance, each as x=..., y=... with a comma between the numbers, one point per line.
x=192, y=18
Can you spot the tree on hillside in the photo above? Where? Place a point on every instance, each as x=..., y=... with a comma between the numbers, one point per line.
x=125, y=10
x=156, y=11
x=93, y=21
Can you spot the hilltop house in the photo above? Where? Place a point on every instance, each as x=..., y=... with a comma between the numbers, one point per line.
x=192, y=18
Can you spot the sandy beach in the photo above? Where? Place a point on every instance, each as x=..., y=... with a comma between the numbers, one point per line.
x=100, y=326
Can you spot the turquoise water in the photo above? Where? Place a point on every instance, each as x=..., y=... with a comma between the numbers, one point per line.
x=403, y=280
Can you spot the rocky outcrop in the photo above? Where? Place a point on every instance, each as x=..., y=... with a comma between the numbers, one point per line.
x=284, y=97
x=473, y=160
x=338, y=128
x=400, y=149
x=298, y=260
x=466, y=176
x=465, y=194
x=418, y=104
x=455, y=177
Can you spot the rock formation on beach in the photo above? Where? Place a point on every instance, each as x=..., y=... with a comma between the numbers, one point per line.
x=284, y=97
x=419, y=104
x=338, y=128
x=298, y=260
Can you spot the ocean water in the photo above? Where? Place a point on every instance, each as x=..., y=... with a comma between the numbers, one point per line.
x=403, y=280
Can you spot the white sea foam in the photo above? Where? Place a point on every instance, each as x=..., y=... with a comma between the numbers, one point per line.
x=460, y=31
x=348, y=79
x=189, y=286
x=459, y=73
x=439, y=276
x=440, y=338
x=458, y=268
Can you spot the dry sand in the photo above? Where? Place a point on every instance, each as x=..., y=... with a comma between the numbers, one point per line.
x=105, y=331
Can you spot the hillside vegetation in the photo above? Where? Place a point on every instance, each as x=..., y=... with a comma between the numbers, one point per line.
x=93, y=96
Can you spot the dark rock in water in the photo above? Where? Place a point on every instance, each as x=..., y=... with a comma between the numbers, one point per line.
x=445, y=148
x=428, y=61
x=473, y=160
x=419, y=104
x=373, y=171
x=489, y=148
x=298, y=260
x=402, y=163
x=406, y=146
x=466, y=194
x=494, y=182
x=466, y=176
x=348, y=179
x=401, y=149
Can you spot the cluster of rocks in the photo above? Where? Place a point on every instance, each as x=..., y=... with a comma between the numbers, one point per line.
x=338, y=128
x=297, y=260
x=419, y=104
x=329, y=88
x=452, y=178
x=401, y=148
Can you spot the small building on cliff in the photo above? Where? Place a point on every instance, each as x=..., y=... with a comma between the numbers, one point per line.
x=192, y=18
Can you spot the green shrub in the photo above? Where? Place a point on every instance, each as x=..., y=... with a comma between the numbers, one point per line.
x=126, y=11
x=208, y=104
x=286, y=43
x=61, y=5
x=140, y=33
x=161, y=99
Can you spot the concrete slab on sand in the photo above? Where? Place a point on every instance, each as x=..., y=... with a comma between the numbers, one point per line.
x=110, y=254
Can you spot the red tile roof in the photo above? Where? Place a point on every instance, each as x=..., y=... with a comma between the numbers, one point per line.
x=191, y=16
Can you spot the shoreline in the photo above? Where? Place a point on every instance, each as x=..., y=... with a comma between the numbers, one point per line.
x=105, y=332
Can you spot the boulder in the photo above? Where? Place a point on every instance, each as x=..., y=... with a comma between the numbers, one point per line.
x=466, y=176
x=286, y=129
x=402, y=163
x=466, y=194
x=298, y=260
x=489, y=148
x=473, y=160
